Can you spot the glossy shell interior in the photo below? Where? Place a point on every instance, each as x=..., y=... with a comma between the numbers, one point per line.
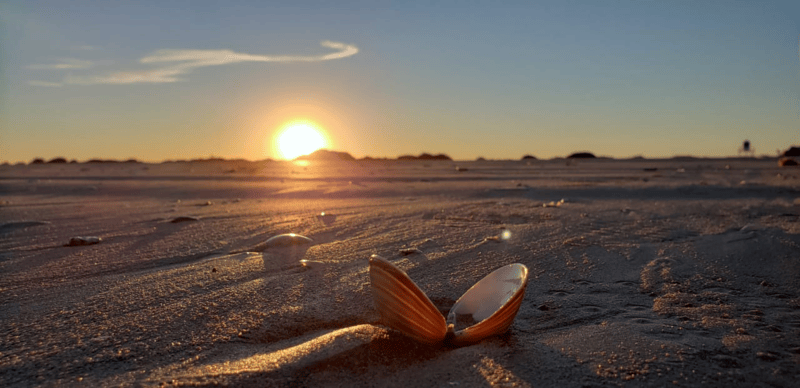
x=490, y=306
x=288, y=239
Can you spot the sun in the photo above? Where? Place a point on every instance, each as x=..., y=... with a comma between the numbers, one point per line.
x=299, y=138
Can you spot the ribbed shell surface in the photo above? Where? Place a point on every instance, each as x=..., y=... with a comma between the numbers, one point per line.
x=402, y=305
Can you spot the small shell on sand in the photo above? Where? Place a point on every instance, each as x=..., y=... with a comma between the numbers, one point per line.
x=183, y=219
x=80, y=240
x=288, y=239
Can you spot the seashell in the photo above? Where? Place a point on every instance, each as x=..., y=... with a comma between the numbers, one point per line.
x=402, y=305
x=79, y=241
x=285, y=243
x=285, y=240
x=488, y=308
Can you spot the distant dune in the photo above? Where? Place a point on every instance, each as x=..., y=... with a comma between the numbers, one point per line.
x=111, y=161
x=329, y=155
x=326, y=155
x=425, y=156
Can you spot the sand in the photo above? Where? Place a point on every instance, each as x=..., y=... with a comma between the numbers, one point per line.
x=649, y=273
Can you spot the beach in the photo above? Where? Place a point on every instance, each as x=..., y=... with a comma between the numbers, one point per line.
x=642, y=272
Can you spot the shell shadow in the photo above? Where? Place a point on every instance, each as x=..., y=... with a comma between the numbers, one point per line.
x=392, y=350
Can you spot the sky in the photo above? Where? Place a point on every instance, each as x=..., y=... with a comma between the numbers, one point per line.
x=166, y=80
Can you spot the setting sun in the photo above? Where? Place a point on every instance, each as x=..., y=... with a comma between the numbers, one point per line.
x=299, y=138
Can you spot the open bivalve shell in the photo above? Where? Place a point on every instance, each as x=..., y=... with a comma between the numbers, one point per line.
x=486, y=309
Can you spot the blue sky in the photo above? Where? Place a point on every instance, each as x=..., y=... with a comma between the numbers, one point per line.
x=158, y=80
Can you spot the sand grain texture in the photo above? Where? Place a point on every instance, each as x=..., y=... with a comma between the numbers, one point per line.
x=649, y=273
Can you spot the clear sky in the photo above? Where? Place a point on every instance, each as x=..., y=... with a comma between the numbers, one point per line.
x=157, y=80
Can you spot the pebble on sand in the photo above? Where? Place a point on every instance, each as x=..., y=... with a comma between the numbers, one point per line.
x=81, y=240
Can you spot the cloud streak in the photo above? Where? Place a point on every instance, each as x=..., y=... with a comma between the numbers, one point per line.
x=45, y=84
x=65, y=64
x=174, y=63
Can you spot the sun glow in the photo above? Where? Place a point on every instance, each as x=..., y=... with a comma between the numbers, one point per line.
x=299, y=138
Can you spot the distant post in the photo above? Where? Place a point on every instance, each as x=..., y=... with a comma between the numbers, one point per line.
x=747, y=149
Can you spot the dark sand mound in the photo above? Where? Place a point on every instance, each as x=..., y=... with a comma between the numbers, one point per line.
x=582, y=155
x=792, y=151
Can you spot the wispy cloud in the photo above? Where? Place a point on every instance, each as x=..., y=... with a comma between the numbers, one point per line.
x=45, y=83
x=64, y=63
x=181, y=62
x=84, y=47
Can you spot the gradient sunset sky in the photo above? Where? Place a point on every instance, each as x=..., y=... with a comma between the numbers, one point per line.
x=157, y=80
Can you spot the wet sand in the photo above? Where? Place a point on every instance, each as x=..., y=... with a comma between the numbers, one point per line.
x=649, y=273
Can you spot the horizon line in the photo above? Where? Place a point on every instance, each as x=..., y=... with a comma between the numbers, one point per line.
x=404, y=157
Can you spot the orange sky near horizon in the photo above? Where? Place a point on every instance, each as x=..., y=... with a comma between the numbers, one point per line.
x=159, y=81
